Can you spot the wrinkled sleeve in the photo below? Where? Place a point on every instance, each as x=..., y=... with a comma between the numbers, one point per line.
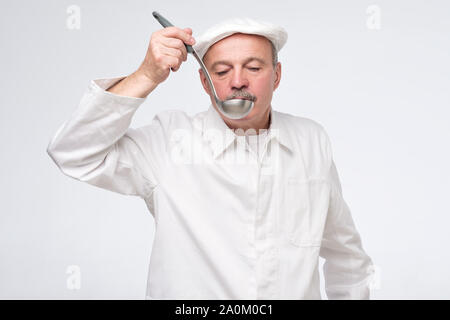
x=95, y=145
x=347, y=268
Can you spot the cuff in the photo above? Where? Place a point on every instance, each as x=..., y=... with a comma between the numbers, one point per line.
x=105, y=84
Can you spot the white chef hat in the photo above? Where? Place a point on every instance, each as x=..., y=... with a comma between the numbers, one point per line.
x=277, y=35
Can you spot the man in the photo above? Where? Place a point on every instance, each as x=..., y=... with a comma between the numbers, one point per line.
x=243, y=208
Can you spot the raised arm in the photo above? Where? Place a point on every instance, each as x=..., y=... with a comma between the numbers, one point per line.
x=96, y=145
x=166, y=52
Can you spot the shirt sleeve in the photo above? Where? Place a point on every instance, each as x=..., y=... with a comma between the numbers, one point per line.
x=95, y=145
x=347, y=268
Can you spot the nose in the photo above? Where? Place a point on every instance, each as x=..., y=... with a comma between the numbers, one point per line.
x=238, y=80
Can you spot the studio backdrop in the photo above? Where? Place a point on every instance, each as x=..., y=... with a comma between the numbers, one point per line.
x=374, y=74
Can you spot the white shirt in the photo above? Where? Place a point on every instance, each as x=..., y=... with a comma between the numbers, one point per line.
x=257, y=143
x=227, y=225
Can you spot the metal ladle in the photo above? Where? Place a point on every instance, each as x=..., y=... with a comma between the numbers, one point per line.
x=232, y=108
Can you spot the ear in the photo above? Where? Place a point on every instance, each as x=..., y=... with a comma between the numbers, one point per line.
x=277, y=76
x=204, y=81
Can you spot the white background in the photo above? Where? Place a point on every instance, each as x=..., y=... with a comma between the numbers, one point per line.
x=383, y=96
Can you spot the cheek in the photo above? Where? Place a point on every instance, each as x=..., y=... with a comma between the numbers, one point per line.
x=221, y=89
x=263, y=87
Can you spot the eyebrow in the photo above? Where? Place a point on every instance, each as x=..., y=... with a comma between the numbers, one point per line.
x=250, y=59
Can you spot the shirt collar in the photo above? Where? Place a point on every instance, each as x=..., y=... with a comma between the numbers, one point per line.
x=220, y=136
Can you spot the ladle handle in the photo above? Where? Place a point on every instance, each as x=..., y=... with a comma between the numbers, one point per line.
x=165, y=23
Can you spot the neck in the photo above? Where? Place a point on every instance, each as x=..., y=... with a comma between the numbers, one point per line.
x=257, y=123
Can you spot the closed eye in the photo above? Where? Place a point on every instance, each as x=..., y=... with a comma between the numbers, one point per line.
x=254, y=69
x=221, y=73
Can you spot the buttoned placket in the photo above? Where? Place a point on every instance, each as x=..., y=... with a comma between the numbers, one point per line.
x=259, y=174
x=262, y=232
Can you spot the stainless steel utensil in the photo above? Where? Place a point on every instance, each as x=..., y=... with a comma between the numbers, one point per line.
x=232, y=108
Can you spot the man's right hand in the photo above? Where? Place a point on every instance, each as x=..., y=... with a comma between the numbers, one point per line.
x=166, y=51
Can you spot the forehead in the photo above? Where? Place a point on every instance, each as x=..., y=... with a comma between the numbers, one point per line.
x=239, y=46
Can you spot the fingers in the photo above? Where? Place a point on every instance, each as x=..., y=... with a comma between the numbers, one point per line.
x=184, y=35
x=175, y=45
x=173, y=63
x=173, y=56
x=166, y=51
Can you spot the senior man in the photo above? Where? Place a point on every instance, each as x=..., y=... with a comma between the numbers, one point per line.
x=243, y=208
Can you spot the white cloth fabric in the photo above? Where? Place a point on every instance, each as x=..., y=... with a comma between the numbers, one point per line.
x=276, y=34
x=227, y=226
x=256, y=143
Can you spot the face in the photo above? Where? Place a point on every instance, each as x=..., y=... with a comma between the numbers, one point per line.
x=241, y=66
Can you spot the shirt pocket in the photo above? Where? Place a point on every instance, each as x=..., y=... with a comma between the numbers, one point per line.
x=306, y=208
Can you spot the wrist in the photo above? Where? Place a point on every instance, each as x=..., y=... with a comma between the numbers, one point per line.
x=142, y=84
x=142, y=77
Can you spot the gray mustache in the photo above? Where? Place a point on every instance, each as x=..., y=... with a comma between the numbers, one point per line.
x=243, y=94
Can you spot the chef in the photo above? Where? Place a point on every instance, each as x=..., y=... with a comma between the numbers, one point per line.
x=243, y=208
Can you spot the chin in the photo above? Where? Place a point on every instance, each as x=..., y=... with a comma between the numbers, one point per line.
x=254, y=113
